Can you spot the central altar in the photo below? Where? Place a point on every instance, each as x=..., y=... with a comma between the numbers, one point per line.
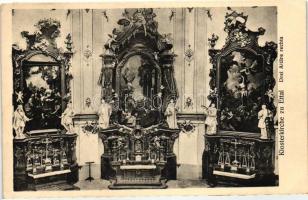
x=137, y=119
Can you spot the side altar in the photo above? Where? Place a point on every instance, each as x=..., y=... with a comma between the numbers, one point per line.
x=44, y=139
x=240, y=134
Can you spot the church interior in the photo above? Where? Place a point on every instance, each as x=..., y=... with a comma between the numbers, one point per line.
x=148, y=98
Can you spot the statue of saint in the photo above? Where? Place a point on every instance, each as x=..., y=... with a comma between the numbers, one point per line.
x=104, y=113
x=262, y=115
x=19, y=122
x=211, y=120
x=67, y=118
x=170, y=113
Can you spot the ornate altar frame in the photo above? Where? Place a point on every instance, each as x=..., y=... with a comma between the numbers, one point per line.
x=132, y=40
x=240, y=38
x=43, y=44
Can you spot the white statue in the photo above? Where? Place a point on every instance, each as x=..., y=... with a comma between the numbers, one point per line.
x=104, y=113
x=211, y=120
x=170, y=113
x=67, y=118
x=19, y=122
x=262, y=115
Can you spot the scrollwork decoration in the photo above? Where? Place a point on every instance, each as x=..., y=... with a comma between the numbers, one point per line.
x=188, y=103
x=90, y=127
x=187, y=126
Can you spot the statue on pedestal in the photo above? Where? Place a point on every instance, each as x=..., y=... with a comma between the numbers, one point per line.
x=211, y=120
x=67, y=118
x=19, y=122
x=170, y=113
x=262, y=115
x=104, y=113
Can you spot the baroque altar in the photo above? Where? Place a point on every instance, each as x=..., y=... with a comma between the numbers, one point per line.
x=138, y=85
x=44, y=140
x=241, y=148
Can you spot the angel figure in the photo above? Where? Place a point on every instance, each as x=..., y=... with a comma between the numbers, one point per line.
x=170, y=113
x=104, y=113
x=211, y=120
x=67, y=118
x=20, y=97
x=262, y=115
x=19, y=122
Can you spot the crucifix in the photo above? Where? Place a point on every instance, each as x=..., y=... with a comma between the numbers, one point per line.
x=235, y=162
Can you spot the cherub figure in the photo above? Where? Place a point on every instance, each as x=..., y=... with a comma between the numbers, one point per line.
x=19, y=122
x=20, y=97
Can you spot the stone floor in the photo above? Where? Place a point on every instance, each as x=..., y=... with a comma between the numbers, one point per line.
x=99, y=184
